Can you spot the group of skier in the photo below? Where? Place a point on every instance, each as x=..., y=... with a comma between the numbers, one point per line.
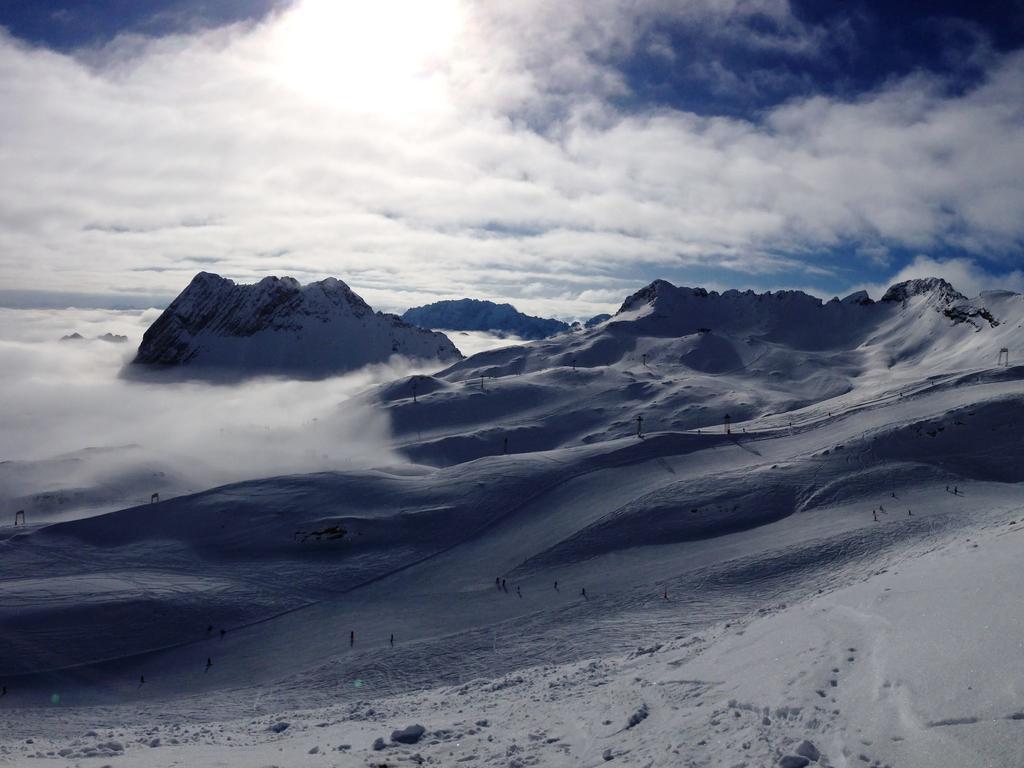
x=352, y=639
x=502, y=586
x=874, y=512
x=209, y=664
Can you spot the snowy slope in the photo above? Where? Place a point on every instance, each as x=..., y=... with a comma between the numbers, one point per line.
x=477, y=315
x=279, y=326
x=684, y=358
x=741, y=596
x=736, y=665
x=858, y=675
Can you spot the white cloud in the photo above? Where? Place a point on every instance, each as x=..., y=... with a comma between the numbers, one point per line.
x=415, y=177
x=62, y=397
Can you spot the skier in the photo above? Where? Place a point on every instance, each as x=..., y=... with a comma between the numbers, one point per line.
x=874, y=515
x=556, y=586
x=222, y=633
x=909, y=513
x=209, y=663
x=665, y=594
x=351, y=638
x=3, y=692
x=142, y=680
x=583, y=591
x=504, y=586
x=956, y=490
x=209, y=629
x=392, y=639
x=497, y=582
x=519, y=591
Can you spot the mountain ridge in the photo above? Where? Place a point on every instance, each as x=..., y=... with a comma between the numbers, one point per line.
x=683, y=358
x=482, y=315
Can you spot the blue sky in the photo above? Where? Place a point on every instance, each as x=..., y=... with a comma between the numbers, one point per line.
x=555, y=155
x=66, y=26
x=833, y=49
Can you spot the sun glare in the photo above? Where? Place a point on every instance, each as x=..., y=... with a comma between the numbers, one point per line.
x=383, y=56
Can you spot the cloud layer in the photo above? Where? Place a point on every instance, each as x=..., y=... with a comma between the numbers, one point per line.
x=64, y=400
x=483, y=149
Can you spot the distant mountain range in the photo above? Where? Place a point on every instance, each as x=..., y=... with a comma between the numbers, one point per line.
x=477, y=315
x=279, y=326
x=482, y=315
x=114, y=338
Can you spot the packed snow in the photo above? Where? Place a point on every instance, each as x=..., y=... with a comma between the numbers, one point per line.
x=536, y=576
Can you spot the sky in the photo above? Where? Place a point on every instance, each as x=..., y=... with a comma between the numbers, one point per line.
x=556, y=155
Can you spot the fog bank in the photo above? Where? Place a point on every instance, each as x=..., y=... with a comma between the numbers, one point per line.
x=74, y=435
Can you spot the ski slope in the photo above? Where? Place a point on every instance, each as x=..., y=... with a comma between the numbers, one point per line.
x=740, y=596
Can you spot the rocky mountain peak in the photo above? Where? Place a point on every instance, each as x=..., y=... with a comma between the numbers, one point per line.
x=277, y=325
x=936, y=286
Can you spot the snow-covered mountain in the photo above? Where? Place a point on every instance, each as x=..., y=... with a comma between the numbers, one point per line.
x=684, y=358
x=583, y=564
x=280, y=326
x=477, y=315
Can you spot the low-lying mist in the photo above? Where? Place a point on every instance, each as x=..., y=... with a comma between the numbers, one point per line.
x=471, y=342
x=76, y=437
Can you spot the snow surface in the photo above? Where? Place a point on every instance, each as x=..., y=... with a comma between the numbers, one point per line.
x=742, y=605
